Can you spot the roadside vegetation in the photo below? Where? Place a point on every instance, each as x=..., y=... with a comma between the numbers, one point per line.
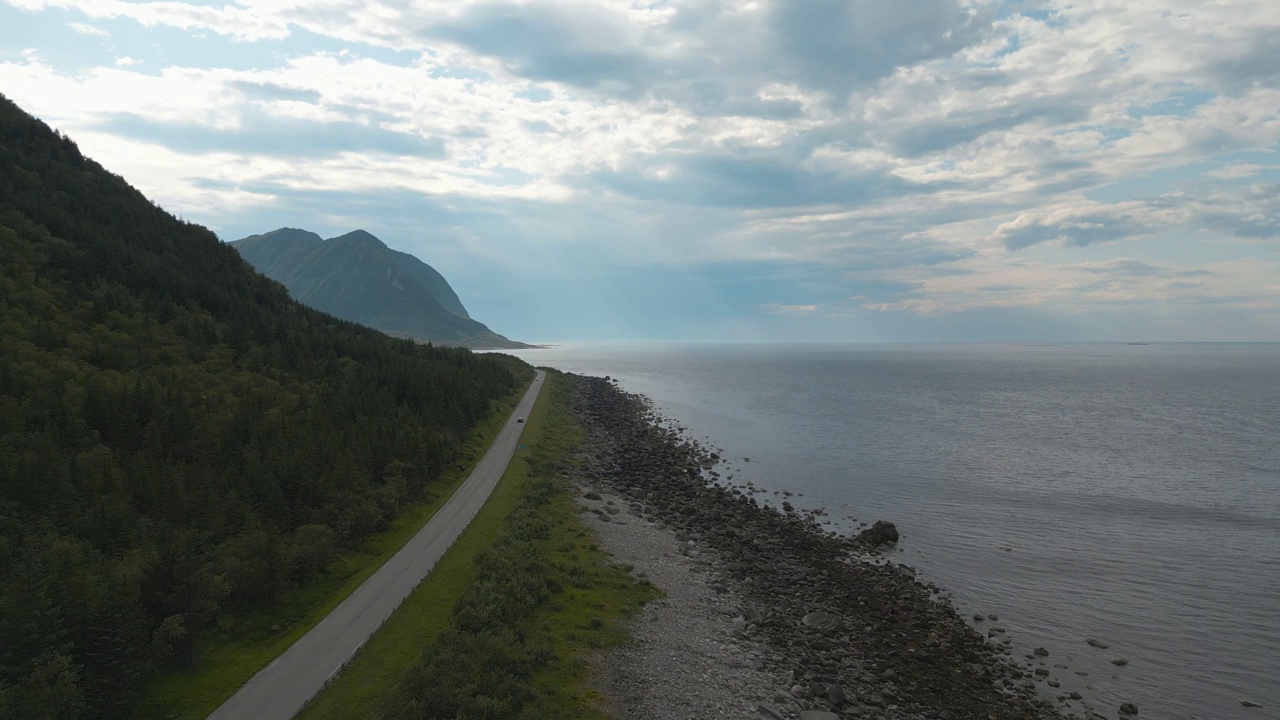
x=505, y=625
x=182, y=446
x=231, y=657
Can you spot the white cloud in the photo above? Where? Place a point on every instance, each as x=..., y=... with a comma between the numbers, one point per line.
x=789, y=309
x=1242, y=170
x=735, y=131
x=87, y=29
x=241, y=23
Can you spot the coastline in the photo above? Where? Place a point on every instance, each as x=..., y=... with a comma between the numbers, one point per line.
x=766, y=611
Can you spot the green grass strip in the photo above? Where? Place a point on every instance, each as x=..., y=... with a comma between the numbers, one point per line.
x=587, y=613
x=231, y=656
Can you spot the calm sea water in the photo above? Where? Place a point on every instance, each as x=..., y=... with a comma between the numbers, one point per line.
x=1120, y=492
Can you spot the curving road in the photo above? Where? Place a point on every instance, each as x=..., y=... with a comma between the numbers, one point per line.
x=280, y=690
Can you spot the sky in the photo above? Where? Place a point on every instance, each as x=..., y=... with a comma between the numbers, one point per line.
x=737, y=170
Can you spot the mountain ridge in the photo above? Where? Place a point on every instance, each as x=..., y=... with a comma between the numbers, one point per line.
x=357, y=277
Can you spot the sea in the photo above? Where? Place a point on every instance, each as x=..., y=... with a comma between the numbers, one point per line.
x=1126, y=493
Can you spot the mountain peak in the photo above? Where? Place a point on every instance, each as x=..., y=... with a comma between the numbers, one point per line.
x=293, y=234
x=385, y=289
x=360, y=236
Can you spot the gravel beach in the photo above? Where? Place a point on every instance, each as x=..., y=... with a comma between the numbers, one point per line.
x=685, y=661
x=766, y=614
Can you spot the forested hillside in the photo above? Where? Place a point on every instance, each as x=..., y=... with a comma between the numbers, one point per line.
x=179, y=440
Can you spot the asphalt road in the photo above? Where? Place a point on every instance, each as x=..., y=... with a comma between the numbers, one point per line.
x=280, y=690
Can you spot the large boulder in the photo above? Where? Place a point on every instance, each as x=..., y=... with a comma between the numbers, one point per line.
x=882, y=532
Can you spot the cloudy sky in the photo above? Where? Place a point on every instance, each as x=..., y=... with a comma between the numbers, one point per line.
x=737, y=169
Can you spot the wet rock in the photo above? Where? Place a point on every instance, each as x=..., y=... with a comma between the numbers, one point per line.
x=770, y=712
x=880, y=533
x=591, y=495
x=1250, y=704
x=1128, y=709
x=1098, y=644
x=1119, y=662
x=1042, y=652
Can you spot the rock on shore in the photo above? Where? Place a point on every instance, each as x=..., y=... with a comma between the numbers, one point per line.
x=817, y=621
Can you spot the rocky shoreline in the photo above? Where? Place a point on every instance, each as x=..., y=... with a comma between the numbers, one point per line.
x=769, y=615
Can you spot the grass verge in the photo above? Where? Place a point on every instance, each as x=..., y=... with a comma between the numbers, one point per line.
x=503, y=625
x=230, y=656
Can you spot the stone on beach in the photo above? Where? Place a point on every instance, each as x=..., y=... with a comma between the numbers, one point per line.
x=880, y=533
x=820, y=621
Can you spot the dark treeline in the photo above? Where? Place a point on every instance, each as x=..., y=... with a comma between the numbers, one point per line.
x=179, y=441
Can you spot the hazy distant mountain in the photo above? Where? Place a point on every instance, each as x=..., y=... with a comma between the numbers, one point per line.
x=357, y=277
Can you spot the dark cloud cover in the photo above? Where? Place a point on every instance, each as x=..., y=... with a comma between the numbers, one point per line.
x=746, y=179
x=836, y=45
x=575, y=44
x=1257, y=62
x=709, y=60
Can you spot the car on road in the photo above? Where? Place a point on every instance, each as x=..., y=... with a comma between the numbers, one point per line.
x=519, y=419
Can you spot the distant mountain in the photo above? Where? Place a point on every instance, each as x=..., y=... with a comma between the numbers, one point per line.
x=357, y=277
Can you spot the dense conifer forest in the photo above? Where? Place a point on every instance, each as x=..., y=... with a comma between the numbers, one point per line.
x=179, y=441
